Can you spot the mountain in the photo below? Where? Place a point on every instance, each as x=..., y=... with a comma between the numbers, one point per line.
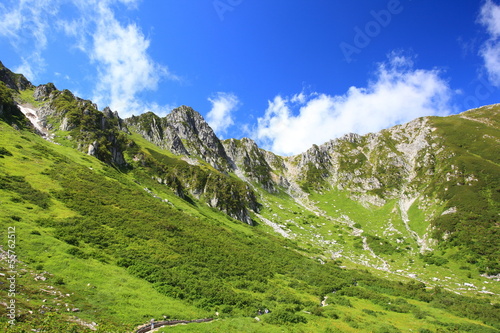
x=444, y=169
x=126, y=220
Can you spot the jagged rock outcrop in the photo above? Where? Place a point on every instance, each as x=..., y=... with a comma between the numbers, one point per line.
x=250, y=162
x=158, y=131
x=184, y=132
x=198, y=136
x=43, y=91
x=100, y=134
x=12, y=80
x=377, y=166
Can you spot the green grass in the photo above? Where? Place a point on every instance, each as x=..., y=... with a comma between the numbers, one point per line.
x=26, y=96
x=417, y=219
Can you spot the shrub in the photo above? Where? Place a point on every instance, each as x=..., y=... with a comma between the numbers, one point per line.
x=285, y=316
x=59, y=281
x=4, y=152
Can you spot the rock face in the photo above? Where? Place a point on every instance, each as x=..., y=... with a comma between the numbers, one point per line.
x=100, y=134
x=250, y=162
x=374, y=168
x=43, y=91
x=183, y=132
x=13, y=81
x=199, y=139
x=381, y=164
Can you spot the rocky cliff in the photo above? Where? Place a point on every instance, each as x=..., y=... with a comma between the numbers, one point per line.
x=183, y=132
x=13, y=80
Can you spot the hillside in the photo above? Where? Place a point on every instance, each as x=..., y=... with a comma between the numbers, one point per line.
x=116, y=221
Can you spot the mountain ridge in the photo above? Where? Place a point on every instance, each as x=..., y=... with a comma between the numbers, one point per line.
x=374, y=168
x=163, y=198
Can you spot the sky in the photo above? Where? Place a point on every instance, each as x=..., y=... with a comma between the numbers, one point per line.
x=286, y=73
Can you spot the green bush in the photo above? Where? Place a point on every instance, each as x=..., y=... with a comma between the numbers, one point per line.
x=284, y=316
x=20, y=186
x=4, y=152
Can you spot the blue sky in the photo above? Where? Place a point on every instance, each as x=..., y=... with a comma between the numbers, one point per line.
x=287, y=73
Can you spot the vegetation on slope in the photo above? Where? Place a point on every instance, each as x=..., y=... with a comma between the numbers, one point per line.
x=209, y=262
x=9, y=111
x=472, y=188
x=126, y=248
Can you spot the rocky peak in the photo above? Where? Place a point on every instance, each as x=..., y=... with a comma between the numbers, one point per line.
x=43, y=91
x=188, y=122
x=158, y=131
x=12, y=80
x=198, y=136
x=184, y=132
x=316, y=155
x=111, y=118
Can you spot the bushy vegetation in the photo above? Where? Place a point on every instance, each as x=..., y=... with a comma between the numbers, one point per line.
x=4, y=152
x=25, y=191
x=113, y=220
x=9, y=112
x=88, y=126
x=230, y=195
x=474, y=190
x=381, y=246
x=283, y=316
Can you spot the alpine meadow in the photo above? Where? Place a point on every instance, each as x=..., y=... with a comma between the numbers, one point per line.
x=114, y=225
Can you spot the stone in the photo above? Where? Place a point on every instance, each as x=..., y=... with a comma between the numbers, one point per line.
x=43, y=91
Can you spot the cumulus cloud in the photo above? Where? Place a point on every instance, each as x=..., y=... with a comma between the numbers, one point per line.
x=119, y=51
x=122, y=75
x=490, y=18
x=399, y=94
x=220, y=117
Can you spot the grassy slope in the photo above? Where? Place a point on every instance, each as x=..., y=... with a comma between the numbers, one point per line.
x=451, y=265
x=141, y=300
x=93, y=280
x=329, y=232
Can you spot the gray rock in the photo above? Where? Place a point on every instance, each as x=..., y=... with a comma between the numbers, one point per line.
x=92, y=151
x=43, y=91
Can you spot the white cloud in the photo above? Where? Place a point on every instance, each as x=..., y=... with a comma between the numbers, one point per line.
x=220, y=116
x=399, y=94
x=26, y=68
x=25, y=25
x=122, y=74
x=118, y=51
x=490, y=18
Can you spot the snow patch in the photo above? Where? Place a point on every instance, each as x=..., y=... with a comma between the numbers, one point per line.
x=33, y=117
